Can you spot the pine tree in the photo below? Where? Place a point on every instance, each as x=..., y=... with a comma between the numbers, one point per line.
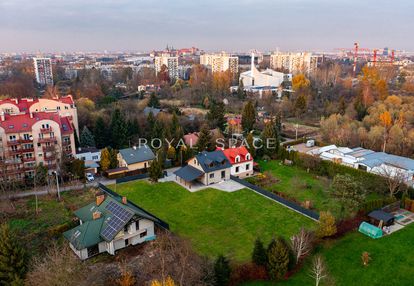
x=259, y=256
x=158, y=131
x=204, y=139
x=105, y=159
x=215, y=116
x=171, y=153
x=101, y=133
x=155, y=169
x=248, y=116
x=278, y=257
x=250, y=143
x=176, y=130
x=153, y=101
x=118, y=129
x=269, y=140
x=86, y=139
x=13, y=259
x=149, y=126
x=113, y=158
x=133, y=128
x=222, y=271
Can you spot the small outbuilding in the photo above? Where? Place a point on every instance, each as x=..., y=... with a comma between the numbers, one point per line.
x=378, y=215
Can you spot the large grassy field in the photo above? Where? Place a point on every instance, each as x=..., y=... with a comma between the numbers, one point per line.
x=216, y=222
x=392, y=261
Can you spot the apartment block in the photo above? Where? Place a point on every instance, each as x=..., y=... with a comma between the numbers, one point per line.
x=294, y=62
x=220, y=62
x=170, y=62
x=43, y=71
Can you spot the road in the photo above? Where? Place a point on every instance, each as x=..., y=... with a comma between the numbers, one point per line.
x=45, y=190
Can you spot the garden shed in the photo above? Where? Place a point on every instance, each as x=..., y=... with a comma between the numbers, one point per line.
x=370, y=230
x=379, y=215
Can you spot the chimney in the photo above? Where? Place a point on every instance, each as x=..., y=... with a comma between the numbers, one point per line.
x=100, y=199
x=31, y=115
x=96, y=215
x=2, y=116
x=124, y=200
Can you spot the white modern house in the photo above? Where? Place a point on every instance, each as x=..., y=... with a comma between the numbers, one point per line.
x=91, y=156
x=109, y=224
x=241, y=161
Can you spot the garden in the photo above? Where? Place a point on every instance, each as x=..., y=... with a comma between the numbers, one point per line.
x=216, y=222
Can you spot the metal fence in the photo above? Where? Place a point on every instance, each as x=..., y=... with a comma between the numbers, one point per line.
x=158, y=221
x=132, y=178
x=291, y=205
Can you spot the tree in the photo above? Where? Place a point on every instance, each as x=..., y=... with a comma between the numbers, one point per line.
x=318, y=270
x=101, y=133
x=176, y=130
x=300, y=82
x=222, y=271
x=365, y=258
x=278, y=258
x=394, y=178
x=155, y=169
x=301, y=244
x=327, y=226
x=348, y=192
x=105, y=159
x=250, y=143
x=386, y=121
x=113, y=158
x=269, y=140
x=126, y=279
x=259, y=256
x=167, y=282
x=86, y=139
x=133, y=128
x=215, y=116
x=248, y=116
x=171, y=153
x=204, y=139
x=149, y=127
x=153, y=101
x=13, y=259
x=300, y=104
x=118, y=129
x=163, y=75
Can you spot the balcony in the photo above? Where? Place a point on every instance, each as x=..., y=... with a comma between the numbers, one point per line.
x=27, y=159
x=13, y=162
x=46, y=130
x=14, y=171
x=13, y=142
x=66, y=143
x=27, y=150
x=47, y=139
x=14, y=151
x=48, y=155
x=26, y=141
x=49, y=149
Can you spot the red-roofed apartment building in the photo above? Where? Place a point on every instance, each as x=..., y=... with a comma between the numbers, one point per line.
x=241, y=161
x=34, y=131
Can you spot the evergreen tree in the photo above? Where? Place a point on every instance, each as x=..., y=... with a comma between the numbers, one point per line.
x=204, y=139
x=155, y=169
x=13, y=259
x=153, y=101
x=222, y=271
x=149, y=127
x=278, y=258
x=86, y=139
x=158, y=131
x=105, y=159
x=133, y=128
x=171, y=153
x=176, y=130
x=101, y=133
x=113, y=159
x=118, y=129
x=248, y=116
x=269, y=140
x=250, y=143
x=259, y=256
x=241, y=93
x=215, y=116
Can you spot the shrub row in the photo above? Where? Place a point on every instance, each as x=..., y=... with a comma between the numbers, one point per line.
x=369, y=206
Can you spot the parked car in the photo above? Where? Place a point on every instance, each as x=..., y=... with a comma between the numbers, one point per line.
x=90, y=177
x=310, y=143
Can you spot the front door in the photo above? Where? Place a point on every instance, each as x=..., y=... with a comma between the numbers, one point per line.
x=223, y=174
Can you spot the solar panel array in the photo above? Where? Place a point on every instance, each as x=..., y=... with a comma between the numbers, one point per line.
x=120, y=217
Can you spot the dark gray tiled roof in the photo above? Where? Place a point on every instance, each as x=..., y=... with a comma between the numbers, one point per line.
x=188, y=173
x=213, y=161
x=136, y=155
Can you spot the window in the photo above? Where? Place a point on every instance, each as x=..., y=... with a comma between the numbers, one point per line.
x=223, y=174
x=211, y=175
x=247, y=167
x=237, y=159
x=237, y=169
x=94, y=157
x=142, y=234
x=248, y=157
x=58, y=108
x=195, y=162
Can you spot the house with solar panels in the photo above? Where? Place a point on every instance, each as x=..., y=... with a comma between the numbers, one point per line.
x=109, y=224
x=206, y=168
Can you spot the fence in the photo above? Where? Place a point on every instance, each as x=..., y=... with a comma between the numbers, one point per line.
x=132, y=178
x=159, y=221
x=293, y=206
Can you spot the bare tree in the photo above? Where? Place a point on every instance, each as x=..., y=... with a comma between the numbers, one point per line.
x=301, y=243
x=318, y=270
x=394, y=178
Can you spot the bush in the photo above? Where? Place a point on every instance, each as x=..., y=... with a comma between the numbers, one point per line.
x=222, y=271
x=327, y=226
x=259, y=253
x=247, y=272
x=369, y=206
x=278, y=258
x=59, y=229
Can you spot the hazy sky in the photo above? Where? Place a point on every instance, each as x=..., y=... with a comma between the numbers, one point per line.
x=233, y=25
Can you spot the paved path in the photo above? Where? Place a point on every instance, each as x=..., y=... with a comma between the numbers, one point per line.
x=45, y=190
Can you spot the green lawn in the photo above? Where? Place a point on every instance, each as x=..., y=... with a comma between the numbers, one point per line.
x=392, y=261
x=216, y=222
x=302, y=186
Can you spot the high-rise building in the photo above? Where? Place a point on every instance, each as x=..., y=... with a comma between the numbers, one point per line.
x=170, y=62
x=220, y=62
x=34, y=132
x=43, y=71
x=294, y=62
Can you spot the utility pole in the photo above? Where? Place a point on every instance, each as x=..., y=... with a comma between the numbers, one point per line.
x=57, y=184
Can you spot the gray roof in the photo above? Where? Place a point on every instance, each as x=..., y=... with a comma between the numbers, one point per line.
x=148, y=110
x=360, y=152
x=378, y=158
x=381, y=215
x=188, y=173
x=87, y=150
x=137, y=154
x=213, y=161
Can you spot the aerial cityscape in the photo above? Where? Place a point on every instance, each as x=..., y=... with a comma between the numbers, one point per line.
x=166, y=143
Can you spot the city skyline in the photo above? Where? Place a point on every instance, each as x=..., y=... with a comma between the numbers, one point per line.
x=125, y=25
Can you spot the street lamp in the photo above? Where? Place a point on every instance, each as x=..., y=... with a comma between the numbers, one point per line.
x=57, y=183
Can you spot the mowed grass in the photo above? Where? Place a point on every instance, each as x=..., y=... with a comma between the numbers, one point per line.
x=301, y=185
x=214, y=221
x=392, y=261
